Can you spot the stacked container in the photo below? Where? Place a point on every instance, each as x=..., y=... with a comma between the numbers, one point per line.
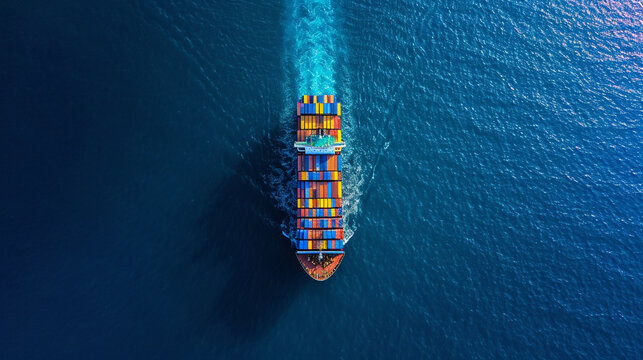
x=319, y=178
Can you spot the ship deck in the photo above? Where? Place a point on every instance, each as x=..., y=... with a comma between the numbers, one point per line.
x=319, y=237
x=317, y=269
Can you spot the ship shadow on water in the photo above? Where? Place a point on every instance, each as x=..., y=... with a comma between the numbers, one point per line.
x=244, y=239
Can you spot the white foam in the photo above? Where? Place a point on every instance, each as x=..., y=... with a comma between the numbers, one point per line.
x=310, y=62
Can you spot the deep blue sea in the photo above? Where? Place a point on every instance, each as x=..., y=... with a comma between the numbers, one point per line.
x=493, y=179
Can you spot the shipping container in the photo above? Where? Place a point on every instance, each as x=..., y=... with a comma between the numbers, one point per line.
x=335, y=234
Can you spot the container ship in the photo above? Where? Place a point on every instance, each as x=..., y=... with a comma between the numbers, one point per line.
x=319, y=235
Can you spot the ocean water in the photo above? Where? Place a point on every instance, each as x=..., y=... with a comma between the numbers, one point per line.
x=492, y=179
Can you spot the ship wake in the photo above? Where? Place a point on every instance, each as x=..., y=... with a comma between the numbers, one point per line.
x=313, y=55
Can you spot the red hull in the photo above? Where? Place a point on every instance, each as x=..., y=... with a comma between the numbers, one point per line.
x=320, y=271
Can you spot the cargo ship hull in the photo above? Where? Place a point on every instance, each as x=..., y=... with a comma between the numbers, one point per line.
x=319, y=237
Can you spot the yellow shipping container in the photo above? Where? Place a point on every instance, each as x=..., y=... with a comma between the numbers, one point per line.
x=339, y=189
x=339, y=135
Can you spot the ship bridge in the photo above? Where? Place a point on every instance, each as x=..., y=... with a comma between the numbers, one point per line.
x=319, y=144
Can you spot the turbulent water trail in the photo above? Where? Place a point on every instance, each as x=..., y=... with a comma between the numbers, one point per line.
x=313, y=33
x=311, y=57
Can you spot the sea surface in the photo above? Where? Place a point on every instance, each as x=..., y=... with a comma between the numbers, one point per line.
x=493, y=179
